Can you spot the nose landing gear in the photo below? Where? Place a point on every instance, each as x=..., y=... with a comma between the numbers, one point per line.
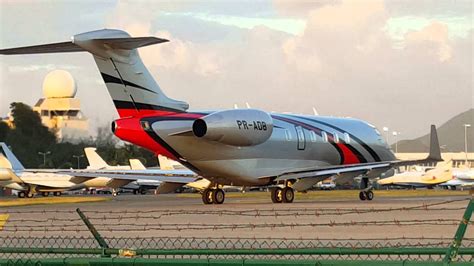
x=366, y=193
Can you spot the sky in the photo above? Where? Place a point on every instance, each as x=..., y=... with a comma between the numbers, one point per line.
x=397, y=64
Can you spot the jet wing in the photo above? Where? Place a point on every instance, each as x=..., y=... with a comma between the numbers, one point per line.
x=175, y=176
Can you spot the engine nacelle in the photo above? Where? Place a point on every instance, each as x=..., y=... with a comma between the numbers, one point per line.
x=240, y=127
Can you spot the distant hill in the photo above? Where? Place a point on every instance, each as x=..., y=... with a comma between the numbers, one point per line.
x=450, y=134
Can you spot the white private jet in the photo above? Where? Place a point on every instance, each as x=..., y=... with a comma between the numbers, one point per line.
x=31, y=181
x=139, y=186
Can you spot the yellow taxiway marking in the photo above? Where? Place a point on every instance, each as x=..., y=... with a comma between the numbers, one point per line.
x=49, y=200
x=3, y=220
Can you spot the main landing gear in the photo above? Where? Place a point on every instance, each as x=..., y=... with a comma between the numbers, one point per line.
x=366, y=192
x=213, y=196
x=285, y=195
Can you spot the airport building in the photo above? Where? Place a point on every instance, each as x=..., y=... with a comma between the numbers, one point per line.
x=59, y=110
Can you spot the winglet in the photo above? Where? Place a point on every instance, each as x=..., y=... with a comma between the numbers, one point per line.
x=435, y=153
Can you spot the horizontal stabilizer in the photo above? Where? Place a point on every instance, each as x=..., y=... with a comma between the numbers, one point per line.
x=60, y=47
x=67, y=47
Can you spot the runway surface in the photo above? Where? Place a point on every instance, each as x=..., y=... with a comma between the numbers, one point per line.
x=176, y=215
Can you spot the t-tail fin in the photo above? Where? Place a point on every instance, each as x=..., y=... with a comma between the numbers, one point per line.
x=135, y=164
x=95, y=161
x=14, y=163
x=435, y=152
x=165, y=163
x=131, y=86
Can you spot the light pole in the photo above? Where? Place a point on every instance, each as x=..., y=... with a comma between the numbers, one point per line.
x=44, y=156
x=396, y=134
x=465, y=139
x=385, y=129
x=78, y=159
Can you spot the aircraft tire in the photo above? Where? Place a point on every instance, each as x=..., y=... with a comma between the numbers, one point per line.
x=21, y=194
x=362, y=195
x=207, y=196
x=276, y=194
x=135, y=191
x=143, y=191
x=57, y=193
x=218, y=197
x=45, y=194
x=369, y=195
x=288, y=195
x=29, y=195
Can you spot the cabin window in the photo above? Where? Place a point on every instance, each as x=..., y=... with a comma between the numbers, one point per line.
x=312, y=136
x=347, y=138
x=325, y=136
x=287, y=135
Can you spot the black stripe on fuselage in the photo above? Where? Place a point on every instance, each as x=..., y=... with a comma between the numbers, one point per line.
x=356, y=152
x=143, y=106
x=111, y=79
x=164, y=144
x=314, y=129
x=362, y=143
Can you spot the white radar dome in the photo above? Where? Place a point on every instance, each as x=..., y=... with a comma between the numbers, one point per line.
x=59, y=84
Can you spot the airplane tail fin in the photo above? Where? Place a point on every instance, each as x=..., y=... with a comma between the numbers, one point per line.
x=131, y=86
x=95, y=161
x=165, y=163
x=10, y=161
x=135, y=164
x=435, y=151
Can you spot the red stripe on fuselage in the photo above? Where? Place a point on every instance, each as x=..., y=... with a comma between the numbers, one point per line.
x=129, y=128
x=349, y=156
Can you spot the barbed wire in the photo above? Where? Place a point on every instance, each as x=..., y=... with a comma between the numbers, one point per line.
x=133, y=227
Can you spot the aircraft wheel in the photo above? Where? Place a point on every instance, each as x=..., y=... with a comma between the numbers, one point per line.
x=369, y=195
x=135, y=191
x=143, y=191
x=57, y=193
x=21, y=194
x=45, y=194
x=29, y=195
x=277, y=195
x=218, y=196
x=288, y=195
x=362, y=195
x=207, y=196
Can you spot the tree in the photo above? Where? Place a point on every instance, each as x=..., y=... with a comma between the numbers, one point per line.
x=28, y=135
x=4, y=130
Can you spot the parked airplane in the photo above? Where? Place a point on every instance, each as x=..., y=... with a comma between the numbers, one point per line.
x=240, y=147
x=463, y=177
x=419, y=178
x=139, y=186
x=31, y=181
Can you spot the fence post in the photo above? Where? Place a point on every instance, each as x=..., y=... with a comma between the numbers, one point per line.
x=94, y=232
x=454, y=247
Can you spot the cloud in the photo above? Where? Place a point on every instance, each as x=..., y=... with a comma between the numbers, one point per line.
x=436, y=33
x=345, y=61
